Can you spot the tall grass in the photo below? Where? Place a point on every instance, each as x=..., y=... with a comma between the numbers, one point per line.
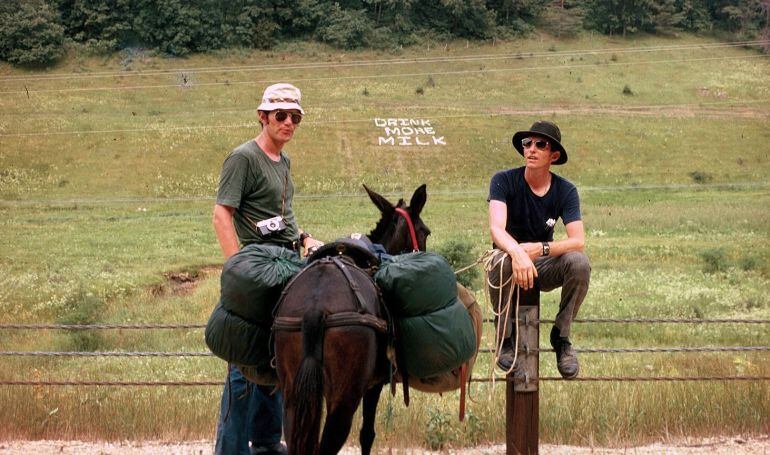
x=93, y=218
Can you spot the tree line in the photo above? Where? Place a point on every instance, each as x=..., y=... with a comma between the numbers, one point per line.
x=37, y=32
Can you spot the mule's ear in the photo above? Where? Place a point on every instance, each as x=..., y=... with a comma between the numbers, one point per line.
x=383, y=204
x=418, y=200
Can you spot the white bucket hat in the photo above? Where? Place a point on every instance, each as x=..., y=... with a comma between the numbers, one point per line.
x=281, y=96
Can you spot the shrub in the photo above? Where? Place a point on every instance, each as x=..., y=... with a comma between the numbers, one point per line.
x=715, y=260
x=459, y=254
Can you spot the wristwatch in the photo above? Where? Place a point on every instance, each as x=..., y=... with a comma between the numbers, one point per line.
x=546, y=249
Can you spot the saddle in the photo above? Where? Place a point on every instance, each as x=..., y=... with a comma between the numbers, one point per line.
x=355, y=249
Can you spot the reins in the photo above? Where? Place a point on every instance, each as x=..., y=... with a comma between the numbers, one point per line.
x=412, y=233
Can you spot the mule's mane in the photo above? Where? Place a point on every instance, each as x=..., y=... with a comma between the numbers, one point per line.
x=382, y=226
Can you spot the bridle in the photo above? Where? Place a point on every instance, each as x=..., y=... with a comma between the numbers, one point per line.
x=412, y=233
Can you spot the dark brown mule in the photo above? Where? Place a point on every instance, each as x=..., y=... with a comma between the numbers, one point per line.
x=339, y=354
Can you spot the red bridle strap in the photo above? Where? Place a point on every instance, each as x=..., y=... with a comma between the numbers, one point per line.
x=412, y=233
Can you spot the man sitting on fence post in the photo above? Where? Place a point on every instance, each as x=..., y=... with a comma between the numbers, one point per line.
x=524, y=204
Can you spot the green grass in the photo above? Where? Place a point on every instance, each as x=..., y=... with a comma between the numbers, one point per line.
x=674, y=200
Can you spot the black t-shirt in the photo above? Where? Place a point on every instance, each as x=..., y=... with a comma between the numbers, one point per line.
x=531, y=218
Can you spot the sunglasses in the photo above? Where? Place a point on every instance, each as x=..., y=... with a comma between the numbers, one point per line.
x=540, y=143
x=282, y=115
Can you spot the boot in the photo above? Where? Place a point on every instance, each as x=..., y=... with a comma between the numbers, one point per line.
x=505, y=360
x=566, y=357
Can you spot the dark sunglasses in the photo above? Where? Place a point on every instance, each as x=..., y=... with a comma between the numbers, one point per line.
x=281, y=117
x=540, y=143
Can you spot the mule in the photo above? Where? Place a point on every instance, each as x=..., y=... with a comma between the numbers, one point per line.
x=336, y=354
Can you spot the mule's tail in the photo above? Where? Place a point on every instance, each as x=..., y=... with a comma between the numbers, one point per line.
x=308, y=386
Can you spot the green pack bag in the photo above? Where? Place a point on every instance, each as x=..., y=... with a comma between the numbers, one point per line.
x=437, y=342
x=252, y=280
x=236, y=340
x=417, y=283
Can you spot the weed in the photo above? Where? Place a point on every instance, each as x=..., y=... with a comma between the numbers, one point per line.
x=627, y=90
x=365, y=92
x=749, y=263
x=439, y=432
x=83, y=308
x=419, y=90
x=430, y=82
x=715, y=260
x=700, y=177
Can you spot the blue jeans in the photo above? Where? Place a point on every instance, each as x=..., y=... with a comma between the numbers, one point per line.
x=253, y=415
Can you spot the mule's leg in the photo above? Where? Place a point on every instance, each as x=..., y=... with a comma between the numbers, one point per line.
x=337, y=427
x=366, y=437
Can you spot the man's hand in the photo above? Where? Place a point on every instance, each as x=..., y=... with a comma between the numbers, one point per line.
x=311, y=245
x=522, y=267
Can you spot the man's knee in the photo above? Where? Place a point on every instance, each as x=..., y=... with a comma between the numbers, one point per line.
x=577, y=265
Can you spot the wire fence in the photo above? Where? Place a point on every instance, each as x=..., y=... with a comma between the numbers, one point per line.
x=206, y=354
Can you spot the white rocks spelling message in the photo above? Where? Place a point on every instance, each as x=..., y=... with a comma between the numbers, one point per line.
x=407, y=131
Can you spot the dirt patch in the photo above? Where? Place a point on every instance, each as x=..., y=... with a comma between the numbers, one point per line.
x=735, y=445
x=183, y=282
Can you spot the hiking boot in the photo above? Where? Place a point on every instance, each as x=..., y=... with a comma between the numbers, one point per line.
x=505, y=360
x=277, y=448
x=566, y=358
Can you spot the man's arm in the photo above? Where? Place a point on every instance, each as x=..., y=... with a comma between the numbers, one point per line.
x=524, y=271
x=575, y=240
x=225, y=229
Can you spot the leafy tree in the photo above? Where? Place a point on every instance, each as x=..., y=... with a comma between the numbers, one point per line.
x=255, y=27
x=668, y=16
x=102, y=25
x=171, y=26
x=695, y=15
x=30, y=32
x=563, y=19
x=620, y=16
x=347, y=29
x=461, y=18
x=514, y=13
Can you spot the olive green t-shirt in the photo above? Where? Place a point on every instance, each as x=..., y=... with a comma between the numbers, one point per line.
x=255, y=186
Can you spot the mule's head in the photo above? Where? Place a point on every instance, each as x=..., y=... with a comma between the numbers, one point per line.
x=392, y=231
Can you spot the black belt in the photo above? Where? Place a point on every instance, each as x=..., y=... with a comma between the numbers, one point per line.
x=294, y=246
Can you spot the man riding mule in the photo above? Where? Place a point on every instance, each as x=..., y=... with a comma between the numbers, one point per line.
x=254, y=206
x=524, y=204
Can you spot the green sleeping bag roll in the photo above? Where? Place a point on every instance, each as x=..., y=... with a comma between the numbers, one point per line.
x=416, y=284
x=437, y=342
x=237, y=340
x=253, y=278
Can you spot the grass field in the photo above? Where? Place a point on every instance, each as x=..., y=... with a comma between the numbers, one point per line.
x=108, y=168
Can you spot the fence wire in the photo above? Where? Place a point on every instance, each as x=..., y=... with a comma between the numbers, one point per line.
x=588, y=350
x=483, y=350
x=479, y=380
x=541, y=321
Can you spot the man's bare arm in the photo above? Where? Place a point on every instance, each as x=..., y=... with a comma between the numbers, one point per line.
x=225, y=229
x=524, y=271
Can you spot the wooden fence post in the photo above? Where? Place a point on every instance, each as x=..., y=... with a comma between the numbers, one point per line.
x=522, y=396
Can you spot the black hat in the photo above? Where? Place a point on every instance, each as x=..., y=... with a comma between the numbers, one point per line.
x=549, y=131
